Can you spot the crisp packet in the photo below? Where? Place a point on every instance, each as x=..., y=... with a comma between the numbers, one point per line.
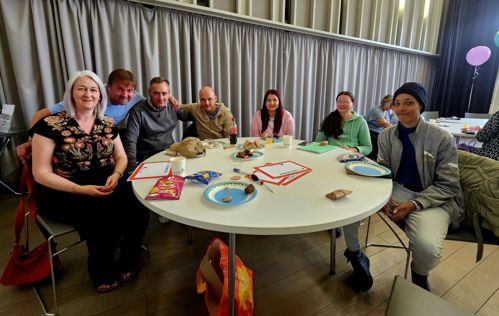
x=167, y=188
x=350, y=157
x=203, y=177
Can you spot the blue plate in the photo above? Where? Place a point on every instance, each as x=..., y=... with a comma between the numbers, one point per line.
x=256, y=154
x=368, y=169
x=234, y=189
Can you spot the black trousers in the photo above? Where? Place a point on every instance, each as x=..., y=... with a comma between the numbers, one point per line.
x=106, y=223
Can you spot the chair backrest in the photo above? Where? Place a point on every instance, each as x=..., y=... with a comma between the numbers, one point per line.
x=479, y=179
x=190, y=131
x=477, y=115
x=430, y=115
x=410, y=300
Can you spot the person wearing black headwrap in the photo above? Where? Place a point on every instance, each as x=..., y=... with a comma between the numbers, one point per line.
x=426, y=196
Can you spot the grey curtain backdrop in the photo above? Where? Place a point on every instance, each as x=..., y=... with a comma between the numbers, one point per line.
x=43, y=42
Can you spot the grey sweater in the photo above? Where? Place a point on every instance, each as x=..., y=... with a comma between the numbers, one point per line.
x=149, y=131
x=436, y=158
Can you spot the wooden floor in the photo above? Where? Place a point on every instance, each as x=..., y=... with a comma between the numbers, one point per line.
x=290, y=275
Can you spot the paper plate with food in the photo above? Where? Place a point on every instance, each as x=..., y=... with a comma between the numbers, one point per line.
x=212, y=144
x=248, y=144
x=230, y=193
x=247, y=154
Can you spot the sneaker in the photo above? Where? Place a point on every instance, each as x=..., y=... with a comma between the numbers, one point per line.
x=162, y=219
x=362, y=279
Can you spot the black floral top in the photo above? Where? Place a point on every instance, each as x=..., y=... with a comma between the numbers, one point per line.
x=489, y=135
x=83, y=158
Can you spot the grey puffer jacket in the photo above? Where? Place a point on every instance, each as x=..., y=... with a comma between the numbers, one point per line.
x=436, y=158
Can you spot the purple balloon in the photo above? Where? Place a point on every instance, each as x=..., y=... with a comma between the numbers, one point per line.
x=478, y=55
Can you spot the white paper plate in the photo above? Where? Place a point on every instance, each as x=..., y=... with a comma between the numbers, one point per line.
x=367, y=169
x=234, y=189
x=212, y=144
x=240, y=146
x=256, y=154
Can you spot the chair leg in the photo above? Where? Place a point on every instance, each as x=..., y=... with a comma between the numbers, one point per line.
x=145, y=243
x=26, y=221
x=402, y=244
x=189, y=235
x=368, y=227
x=332, y=260
x=52, y=274
x=52, y=279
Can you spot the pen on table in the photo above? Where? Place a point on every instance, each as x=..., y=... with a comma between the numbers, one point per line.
x=254, y=177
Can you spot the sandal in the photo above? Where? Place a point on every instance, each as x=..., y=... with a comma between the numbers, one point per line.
x=106, y=287
x=127, y=276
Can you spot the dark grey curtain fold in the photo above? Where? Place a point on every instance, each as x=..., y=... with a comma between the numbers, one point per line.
x=468, y=24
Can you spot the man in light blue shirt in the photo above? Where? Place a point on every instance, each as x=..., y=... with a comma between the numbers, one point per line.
x=121, y=96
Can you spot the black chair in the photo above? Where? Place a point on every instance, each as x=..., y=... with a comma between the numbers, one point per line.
x=477, y=115
x=374, y=141
x=474, y=233
x=430, y=115
x=190, y=131
x=54, y=230
x=479, y=178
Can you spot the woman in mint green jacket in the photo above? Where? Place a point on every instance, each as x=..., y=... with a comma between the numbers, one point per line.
x=345, y=128
x=348, y=130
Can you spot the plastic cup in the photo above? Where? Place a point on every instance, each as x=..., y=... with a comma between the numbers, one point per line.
x=287, y=140
x=177, y=164
x=269, y=140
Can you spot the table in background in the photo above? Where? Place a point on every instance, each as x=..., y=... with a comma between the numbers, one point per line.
x=454, y=127
x=300, y=207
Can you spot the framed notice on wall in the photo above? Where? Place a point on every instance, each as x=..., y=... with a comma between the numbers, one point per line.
x=6, y=114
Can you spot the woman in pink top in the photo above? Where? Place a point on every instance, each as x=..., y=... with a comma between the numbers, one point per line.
x=272, y=119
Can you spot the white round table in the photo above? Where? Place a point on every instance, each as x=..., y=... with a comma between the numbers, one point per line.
x=300, y=207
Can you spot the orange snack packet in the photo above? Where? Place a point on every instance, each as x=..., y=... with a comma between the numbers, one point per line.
x=167, y=188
